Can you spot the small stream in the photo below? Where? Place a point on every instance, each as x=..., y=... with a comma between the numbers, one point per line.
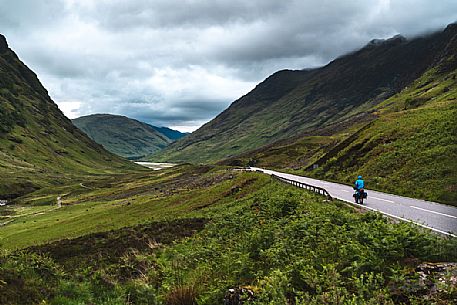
x=156, y=166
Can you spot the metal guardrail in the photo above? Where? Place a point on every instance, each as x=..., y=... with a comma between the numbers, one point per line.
x=310, y=187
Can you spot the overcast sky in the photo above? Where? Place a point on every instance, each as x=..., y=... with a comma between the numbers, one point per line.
x=179, y=63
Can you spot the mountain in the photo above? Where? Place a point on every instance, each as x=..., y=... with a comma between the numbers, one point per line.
x=387, y=110
x=124, y=136
x=39, y=146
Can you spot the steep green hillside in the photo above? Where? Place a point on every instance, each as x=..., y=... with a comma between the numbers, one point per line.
x=408, y=150
x=405, y=145
x=39, y=146
x=124, y=136
x=293, y=103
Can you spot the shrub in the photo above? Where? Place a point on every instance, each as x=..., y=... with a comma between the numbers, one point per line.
x=182, y=294
x=138, y=293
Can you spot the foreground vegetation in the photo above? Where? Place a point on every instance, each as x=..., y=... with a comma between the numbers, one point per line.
x=210, y=235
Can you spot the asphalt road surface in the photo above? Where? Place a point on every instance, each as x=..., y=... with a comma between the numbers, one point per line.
x=437, y=217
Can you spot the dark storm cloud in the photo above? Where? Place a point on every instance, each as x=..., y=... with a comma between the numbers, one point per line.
x=177, y=113
x=180, y=63
x=122, y=15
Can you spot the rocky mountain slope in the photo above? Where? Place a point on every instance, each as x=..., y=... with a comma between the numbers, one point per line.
x=39, y=146
x=125, y=136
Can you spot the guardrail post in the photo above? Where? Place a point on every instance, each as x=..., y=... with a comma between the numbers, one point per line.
x=319, y=190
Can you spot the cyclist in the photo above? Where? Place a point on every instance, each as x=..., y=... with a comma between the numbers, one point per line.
x=359, y=186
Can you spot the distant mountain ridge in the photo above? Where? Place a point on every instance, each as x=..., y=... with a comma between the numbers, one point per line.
x=126, y=137
x=39, y=146
x=170, y=133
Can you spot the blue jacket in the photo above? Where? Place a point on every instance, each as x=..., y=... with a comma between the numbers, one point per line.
x=359, y=184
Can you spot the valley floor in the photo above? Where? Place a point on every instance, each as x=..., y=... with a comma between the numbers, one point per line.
x=209, y=235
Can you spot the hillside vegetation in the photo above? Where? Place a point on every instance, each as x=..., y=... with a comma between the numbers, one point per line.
x=408, y=150
x=124, y=136
x=118, y=201
x=39, y=146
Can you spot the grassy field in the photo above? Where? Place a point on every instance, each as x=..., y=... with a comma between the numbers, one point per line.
x=189, y=234
x=117, y=202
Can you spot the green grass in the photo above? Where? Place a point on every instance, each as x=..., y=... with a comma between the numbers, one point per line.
x=135, y=199
x=287, y=245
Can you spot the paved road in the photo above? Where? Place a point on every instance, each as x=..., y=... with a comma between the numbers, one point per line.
x=438, y=217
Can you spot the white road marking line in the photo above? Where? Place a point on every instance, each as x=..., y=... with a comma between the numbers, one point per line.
x=400, y=218
x=345, y=191
x=432, y=212
x=382, y=199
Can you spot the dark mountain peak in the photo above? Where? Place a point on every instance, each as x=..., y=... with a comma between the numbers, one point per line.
x=451, y=28
x=170, y=133
x=3, y=44
x=100, y=115
x=397, y=39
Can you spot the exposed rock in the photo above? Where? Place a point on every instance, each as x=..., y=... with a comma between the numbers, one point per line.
x=433, y=274
x=3, y=44
x=238, y=296
x=431, y=281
